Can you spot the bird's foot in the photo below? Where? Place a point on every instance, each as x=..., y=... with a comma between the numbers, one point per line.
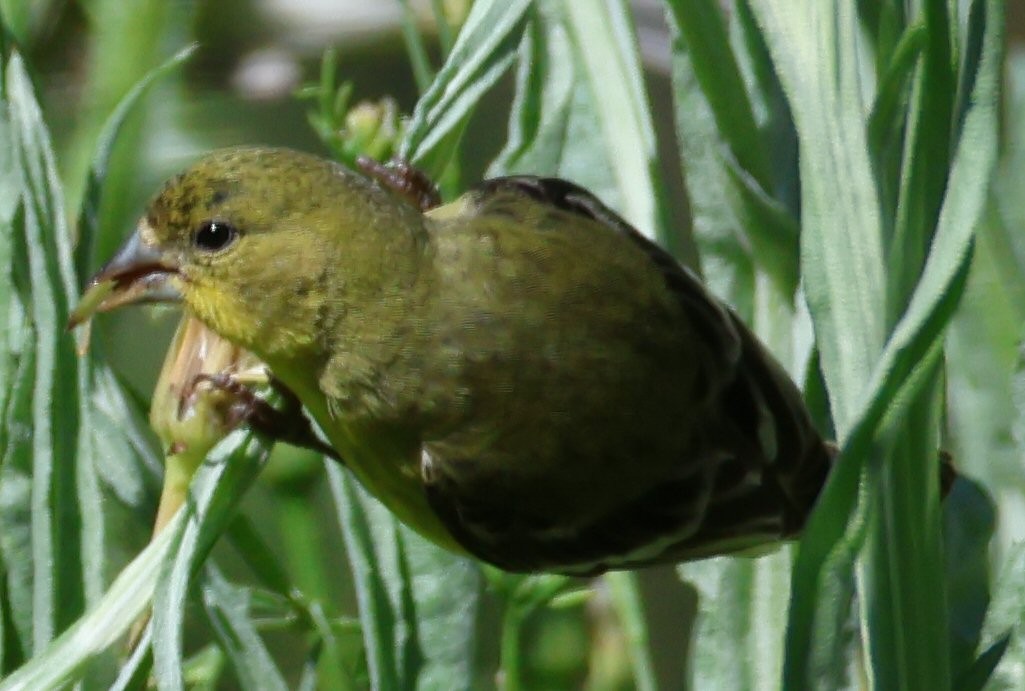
x=401, y=177
x=287, y=424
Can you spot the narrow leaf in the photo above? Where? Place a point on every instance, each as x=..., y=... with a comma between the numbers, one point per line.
x=214, y=495
x=702, y=30
x=553, y=118
x=228, y=608
x=88, y=219
x=377, y=616
x=815, y=50
x=603, y=38
x=1003, y=634
x=626, y=596
x=103, y=625
x=60, y=466
x=969, y=520
x=417, y=602
x=978, y=676
x=483, y=52
x=446, y=592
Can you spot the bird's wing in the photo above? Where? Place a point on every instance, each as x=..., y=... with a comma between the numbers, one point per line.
x=760, y=385
x=772, y=462
x=504, y=195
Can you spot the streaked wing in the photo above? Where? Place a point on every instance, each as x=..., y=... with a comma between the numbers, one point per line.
x=761, y=461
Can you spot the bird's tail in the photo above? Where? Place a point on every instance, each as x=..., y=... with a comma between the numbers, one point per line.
x=795, y=459
x=801, y=461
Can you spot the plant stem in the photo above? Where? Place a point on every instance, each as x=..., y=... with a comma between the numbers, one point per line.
x=511, y=662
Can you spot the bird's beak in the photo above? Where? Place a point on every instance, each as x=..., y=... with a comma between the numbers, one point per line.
x=138, y=272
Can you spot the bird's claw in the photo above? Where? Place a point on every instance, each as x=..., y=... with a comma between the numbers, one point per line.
x=401, y=177
x=287, y=424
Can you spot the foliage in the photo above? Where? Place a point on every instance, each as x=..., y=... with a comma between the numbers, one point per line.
x=837, y=158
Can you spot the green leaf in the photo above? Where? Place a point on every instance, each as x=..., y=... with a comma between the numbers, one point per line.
x=126, y=460
x=983, y=340
x=228, y=608
x=441, y=22
x=969, y=520
x=741, y=610
x=409, y=592
x=972, y=165
x=552, y=121
x=415, y=48
x=770, y=229
x=543, y=98
x=60, y=663
x=1003, y=633
x=885, y=124
x=134, y=673
x=214, y=494
x=16, y=512
x=910, y=643
x=605, y=45
x=626, y=596
x=483, y=52
x=823, y=580
x=725, y=256
x=706, y=42
x=89, y=214
x=381, y=624
x=814, y=46
x=815, y=52
x=977, y=677
x=564, y=74
x=80, y=418
x=446, y=593
x=845, y=287
x=926, y=158
x=10, y=200
x=57, y=457
x=901, y=586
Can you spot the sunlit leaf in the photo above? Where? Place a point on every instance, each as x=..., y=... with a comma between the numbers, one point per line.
x=482, y=53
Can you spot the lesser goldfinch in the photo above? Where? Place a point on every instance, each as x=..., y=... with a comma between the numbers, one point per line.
x=518, y=374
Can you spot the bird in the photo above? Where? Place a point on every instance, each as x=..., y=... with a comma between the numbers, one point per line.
x=518, y=374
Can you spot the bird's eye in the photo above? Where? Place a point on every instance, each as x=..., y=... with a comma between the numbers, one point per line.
x=214, y=235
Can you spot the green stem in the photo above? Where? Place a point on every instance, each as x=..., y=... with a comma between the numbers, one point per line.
x=626, y=598
x=305, y=557
x=414, y=40
x=446, y=37
x=302, y=549
x=512, y=657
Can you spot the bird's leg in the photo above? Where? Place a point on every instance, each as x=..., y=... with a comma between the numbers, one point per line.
x=401, y=177
x=287, y=424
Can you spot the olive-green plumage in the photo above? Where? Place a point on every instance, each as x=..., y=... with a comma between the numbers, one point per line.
x=517, y=373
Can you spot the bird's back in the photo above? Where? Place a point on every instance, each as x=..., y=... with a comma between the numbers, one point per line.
x=610, y=411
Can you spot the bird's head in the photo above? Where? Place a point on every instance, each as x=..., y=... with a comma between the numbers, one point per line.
x=254, y=242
